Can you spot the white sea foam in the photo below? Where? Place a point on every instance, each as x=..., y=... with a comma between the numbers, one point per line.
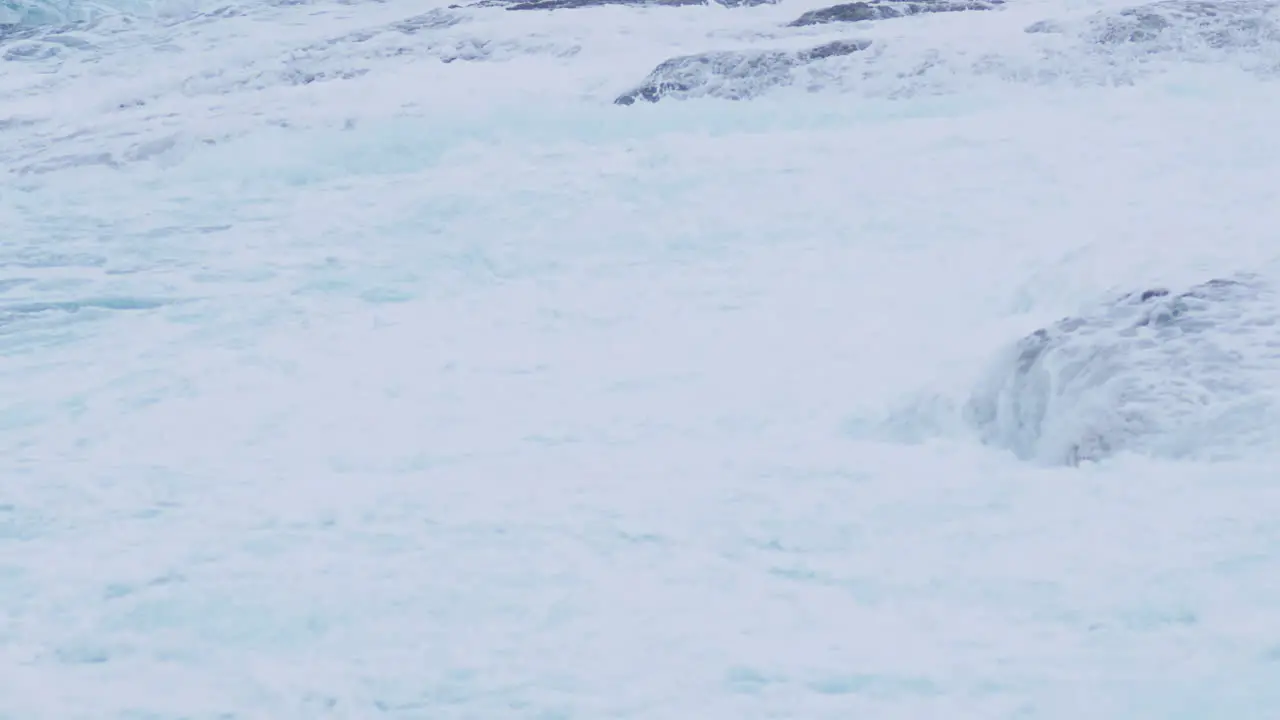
x=365, y=360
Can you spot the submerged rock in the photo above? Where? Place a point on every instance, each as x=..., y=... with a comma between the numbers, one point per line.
x=884, y=9
x=731, y=75
x=1163, y=373
x=431, y=20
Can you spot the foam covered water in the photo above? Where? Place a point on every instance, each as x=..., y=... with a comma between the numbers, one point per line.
x=365, y=360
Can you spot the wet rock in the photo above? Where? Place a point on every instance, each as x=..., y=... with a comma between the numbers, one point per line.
x=832, y=49
x=1181, y=25
x=1215, y=24
x=1158, y=372
x=574, y=4
x=884, y=9
x=731, y=75
x=433, y=20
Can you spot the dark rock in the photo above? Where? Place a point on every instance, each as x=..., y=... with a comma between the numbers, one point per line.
x=833, y=49
x=884, y=9
x=731, y=75
x=573, y=4
x=1170, y=374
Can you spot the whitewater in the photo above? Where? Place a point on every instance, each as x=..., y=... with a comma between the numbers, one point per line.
x=669, y=362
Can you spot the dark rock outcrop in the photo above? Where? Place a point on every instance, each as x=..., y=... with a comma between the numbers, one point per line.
x=573, y=4
x=731, y=75
x=1163, y=373
x=885, y=9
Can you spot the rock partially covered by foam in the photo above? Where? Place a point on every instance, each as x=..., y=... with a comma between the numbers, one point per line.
x=1190, y=374
x=884, y=9
x=731, y=75
x=1183, y=25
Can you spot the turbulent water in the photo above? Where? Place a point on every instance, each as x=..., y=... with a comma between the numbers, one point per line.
x=583, y=360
